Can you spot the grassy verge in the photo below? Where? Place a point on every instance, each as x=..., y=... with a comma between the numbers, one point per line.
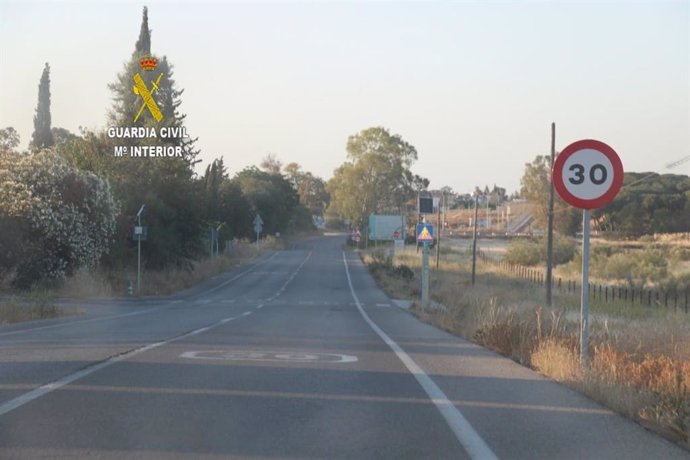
x=640, y=357
x=88, y=284
x=38, y=305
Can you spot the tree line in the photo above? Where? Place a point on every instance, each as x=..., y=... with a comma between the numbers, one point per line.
x=648, y=203
x=68, y=203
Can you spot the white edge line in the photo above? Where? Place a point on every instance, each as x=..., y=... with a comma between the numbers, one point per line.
x=468, y=437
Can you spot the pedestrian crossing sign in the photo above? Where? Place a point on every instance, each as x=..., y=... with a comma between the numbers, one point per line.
x=425, y=232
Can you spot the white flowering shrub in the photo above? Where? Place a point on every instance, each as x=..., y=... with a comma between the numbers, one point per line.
x=67, y=216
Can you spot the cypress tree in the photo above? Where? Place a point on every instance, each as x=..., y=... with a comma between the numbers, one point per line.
x=126, y=104
x=143, y=45
x=42, y=136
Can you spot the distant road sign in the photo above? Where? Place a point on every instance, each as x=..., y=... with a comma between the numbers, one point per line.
x=587, y=174
x=425, y=232
x=426, y=205
x=140, y=233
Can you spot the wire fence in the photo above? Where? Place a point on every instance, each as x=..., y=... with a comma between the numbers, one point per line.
x=677, y=300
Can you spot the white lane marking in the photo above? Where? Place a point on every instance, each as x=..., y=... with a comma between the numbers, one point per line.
x=273, y=356
x=384, y=305
x=260, y=306
x=246, y=313
x=199, y=331
x=468, y=437
x=289, y=280
x=106, y=318
x=20, y=400
x=229, y=301
x=251, y=269
x=82, y=321
x=202, y=302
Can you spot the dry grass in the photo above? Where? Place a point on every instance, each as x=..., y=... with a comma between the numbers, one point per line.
x=639, y=362
x=87, y=284
x=38, y=306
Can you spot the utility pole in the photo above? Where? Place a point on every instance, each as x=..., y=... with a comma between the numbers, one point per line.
x=549, y=236
x=438, y=222
x=474, y=236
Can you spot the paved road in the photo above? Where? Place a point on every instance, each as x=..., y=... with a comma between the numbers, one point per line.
x=296, y=356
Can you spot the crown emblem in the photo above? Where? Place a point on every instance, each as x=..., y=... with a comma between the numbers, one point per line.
x=148, y=63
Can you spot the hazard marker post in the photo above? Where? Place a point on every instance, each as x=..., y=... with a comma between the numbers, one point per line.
x=425, y=235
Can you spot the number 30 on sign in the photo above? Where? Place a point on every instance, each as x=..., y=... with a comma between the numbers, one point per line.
x=587, y=174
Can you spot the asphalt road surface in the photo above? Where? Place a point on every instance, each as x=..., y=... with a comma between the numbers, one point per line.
x=298, y=355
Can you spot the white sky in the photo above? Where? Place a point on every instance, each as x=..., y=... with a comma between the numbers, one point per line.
x=473, y=85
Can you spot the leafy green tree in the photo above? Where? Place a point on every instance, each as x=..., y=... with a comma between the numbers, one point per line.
x=42, y=136
x=310, y=188
x=648, y=203
x=58, y=218
x=9, y=139
x=376, y=176
x=61, y=135
x=535, y=185
x=235, y=211
x=212, y=180
x=274, y=198
x=271, y=164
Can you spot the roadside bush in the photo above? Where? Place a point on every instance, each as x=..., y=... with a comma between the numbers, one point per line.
x=382, y=264
x=524, y=252
x=529, y=253
x=403, y=272
x=564, y=249
x=68, y=216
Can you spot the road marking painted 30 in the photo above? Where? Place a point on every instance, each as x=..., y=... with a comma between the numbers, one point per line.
x=275, y=356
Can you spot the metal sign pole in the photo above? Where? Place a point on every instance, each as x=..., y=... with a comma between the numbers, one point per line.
x=584, y=296
x=474, y=237
x=139, y=257
x=425, y=275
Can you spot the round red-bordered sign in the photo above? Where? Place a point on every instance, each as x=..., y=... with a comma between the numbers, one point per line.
x=587, y=174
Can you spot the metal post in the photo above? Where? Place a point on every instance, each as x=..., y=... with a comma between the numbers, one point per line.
x=584, y=295
x=139, y=256
x=549, y=240
x=474, y=237
x=425, y=275
x=438, y=233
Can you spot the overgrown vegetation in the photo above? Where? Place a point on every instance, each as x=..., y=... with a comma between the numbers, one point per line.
x=37, y=306
x=533, y=252
x=640, y=358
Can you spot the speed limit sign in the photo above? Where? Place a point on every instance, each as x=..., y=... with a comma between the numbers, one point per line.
x=587, y=174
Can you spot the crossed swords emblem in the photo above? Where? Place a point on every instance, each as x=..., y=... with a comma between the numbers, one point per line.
x=142, y=90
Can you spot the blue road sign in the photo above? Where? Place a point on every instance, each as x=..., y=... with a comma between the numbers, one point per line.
x=425, y=232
